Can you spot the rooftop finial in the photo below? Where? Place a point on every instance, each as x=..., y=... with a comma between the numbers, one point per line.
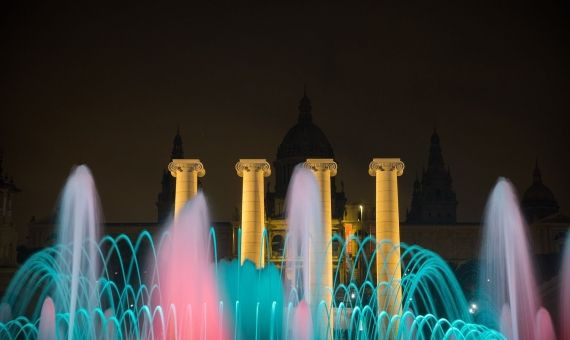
x=305, y=107
x=177, y=152
x=536, y=175
x=434, y=137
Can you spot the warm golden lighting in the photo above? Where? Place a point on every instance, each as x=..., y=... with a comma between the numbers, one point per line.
x=186, y=172
x=253, y=209
x=388, y=268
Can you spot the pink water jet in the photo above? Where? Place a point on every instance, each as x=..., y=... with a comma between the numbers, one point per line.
x=544, y=327
x=189, y=291
x=565, y=292
x=46, y=329
x=507, y=277
x=302, y=325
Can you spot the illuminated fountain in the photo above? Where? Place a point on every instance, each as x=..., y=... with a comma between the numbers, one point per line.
x=509, y=294
x=113, y=287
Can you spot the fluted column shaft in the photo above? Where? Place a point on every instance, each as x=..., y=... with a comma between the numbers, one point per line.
x=186, y=172
x=253, y=209
x=388, y=268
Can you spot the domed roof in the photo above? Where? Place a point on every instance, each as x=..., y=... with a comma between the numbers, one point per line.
x=538, y=194
x=538, y=201
x=305, y=139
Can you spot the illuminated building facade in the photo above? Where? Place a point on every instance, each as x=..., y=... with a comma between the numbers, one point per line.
x=431, y=219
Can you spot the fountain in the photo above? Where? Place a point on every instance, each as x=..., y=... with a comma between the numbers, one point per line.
x=305, y=254
x=86, y=287
x=508, y=288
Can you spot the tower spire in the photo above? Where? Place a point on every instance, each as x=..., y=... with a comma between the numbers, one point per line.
x=305, y=107
x=177, y=151
x=536, y=175
x=435, y=158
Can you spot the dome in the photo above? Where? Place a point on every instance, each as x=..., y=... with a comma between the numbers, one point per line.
x=538, y=200
x=305, y=139
x=539, y=194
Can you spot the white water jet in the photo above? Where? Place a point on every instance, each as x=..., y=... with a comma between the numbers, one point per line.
x=304, y=241
x=507, y=279
x=79, y=229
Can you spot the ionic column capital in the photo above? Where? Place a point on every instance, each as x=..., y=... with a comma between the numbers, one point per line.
x=386, y=164
x=321, y=164
x=253, y=165
x=186, y=165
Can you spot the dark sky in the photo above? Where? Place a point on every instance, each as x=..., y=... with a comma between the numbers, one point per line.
x=107, y=86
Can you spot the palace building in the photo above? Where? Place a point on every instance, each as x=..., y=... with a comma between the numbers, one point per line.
x=431, y=219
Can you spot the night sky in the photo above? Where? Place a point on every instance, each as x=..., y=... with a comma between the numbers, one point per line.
x=108, y=85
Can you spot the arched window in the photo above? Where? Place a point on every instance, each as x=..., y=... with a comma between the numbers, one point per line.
x=277, y=244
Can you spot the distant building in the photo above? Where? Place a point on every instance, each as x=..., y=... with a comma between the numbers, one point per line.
x=431, y=220
x=8, y=232
x=304, y=140
x=433, y=197
x=538, y=200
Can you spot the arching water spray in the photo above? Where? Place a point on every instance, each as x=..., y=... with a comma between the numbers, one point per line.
x=169, y=289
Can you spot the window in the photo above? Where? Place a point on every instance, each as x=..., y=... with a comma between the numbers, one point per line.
x=277, y=245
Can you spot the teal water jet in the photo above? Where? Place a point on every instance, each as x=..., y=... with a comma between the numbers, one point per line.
x=116, y=299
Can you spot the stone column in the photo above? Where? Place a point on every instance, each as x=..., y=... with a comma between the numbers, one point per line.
x=253, y=209
x=186, y=172
x=388, y=269
x=321, y=255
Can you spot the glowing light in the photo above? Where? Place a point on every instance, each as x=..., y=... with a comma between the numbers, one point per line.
x=180, y=260
x=473, y=308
